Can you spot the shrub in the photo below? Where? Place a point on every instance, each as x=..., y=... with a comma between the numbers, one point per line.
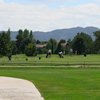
x=30, y=49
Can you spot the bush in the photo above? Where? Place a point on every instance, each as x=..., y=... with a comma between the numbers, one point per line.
x=30, y=49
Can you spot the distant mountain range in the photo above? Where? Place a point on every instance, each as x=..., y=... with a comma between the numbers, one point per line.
x=58, y=34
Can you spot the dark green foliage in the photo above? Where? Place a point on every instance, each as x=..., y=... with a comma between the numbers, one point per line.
x=88, y=42
x=5, y=43
x=24, y=38
x=41, y=50
x=25, y=33
x=19, y=39
x=14, y=47
x=79, y=46
x=38, y=42
x=31, y=36
x=82, y=43
x=97, y=42
x=61, y=46
x=21, y=45
x=68, y=47
x=30, y=49
x=52, y=44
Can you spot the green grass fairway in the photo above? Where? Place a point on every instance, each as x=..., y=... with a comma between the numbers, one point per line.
x=61, y=83
x=54, y=60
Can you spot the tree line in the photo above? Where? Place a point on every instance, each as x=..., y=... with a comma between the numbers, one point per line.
x=25, y=43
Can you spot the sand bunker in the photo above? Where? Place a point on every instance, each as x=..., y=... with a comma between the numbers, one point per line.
x=18, y=89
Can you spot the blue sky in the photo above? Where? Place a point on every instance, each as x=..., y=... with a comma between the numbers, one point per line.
x=57, y=3
x=45, y=15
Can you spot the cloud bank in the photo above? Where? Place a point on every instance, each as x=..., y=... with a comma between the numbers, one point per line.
x=42, y=17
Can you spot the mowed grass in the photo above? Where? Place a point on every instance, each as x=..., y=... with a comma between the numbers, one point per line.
x=54, y=60
x=60, y=83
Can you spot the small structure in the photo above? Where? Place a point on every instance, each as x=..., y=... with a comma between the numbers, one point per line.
x=40, y=46
x=18, y=89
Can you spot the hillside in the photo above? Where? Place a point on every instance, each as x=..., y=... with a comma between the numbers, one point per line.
x=60, y=33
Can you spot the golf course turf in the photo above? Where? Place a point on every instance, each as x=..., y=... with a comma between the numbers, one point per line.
x=70, y=78
x=54, y=60
x=60, y=83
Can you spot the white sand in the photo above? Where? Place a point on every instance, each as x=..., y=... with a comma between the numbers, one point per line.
x=18, y=89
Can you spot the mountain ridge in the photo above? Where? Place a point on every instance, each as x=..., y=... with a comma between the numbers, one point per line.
x=67, y=33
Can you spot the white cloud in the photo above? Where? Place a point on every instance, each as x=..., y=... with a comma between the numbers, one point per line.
x=41, y=17
x=1, y=1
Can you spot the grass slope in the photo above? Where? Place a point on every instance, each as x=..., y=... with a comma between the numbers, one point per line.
x=61, y=83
